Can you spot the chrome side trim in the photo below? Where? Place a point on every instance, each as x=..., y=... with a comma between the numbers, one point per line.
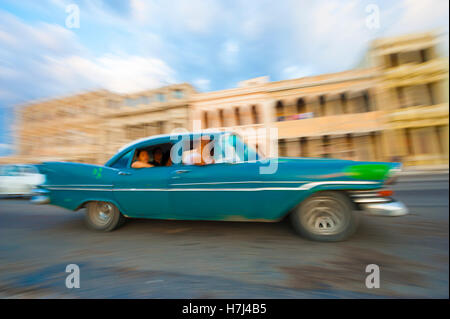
x=244, y=182
x=372, y=200
x=306, y=186
x=368, y=196
x=78, y=185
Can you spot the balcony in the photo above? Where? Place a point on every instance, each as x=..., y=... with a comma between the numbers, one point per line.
x=416, y=73
x=331, y=125
x=417, y=116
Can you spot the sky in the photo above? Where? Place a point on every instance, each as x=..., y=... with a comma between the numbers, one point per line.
x=131, y=45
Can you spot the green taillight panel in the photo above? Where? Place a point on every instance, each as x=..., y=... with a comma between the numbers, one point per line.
x=368, y=171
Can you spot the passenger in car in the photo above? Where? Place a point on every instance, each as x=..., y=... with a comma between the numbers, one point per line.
x=200, y=155
x=158, y=158
x=142, y=160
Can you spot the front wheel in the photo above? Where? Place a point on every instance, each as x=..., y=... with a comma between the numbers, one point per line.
x=103, y=216
x=325, y=216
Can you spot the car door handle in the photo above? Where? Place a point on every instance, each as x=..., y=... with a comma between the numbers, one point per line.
x=123, y=173
x=181, y=171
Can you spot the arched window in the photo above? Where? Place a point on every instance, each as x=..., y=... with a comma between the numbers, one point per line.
x=282, y=147
x=255, y=115
x=326, y=146
x=221, y=119
x=279, y=110
x=366, y=101
x=205, y=119
x=322, y=105
x=301, y=106
x=304, y=147
x=343, y=97
x=237, y=115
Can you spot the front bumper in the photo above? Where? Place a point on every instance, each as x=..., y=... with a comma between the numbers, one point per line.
x=40, y=196
x=385, y=209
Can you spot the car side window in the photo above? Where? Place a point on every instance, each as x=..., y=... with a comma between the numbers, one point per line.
x=11, y=170
x=122, y=162
x=28, y=169
x=152, y=156
x=200, y=151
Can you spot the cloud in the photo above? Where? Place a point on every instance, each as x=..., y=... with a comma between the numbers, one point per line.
x=330, y=35
x=229, y=52
x=45, y=60
x=295, y=71
x=152, y=42
x=5, y=147
x=419, y=16
x=118, y=73
x=202, y=84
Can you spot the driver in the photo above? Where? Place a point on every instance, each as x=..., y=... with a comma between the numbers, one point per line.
x=142, y=160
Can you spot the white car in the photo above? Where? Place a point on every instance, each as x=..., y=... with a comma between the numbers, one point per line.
x=19, y=179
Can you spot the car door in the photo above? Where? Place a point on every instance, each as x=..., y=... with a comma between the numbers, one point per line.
x=142, y=192
x=216, y=191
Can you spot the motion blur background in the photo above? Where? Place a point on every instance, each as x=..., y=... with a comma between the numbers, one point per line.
x=363, y=80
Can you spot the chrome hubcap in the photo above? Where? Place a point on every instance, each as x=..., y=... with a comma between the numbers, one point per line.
x=102, y=213
x=324, y=216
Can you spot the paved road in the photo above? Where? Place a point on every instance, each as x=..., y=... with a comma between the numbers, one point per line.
x=179, y=259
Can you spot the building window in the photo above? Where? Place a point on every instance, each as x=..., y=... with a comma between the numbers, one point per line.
x=237, y=116
x=282, y=147
x=221, y=119
x=279, y=110
x=440, y=131
x=113, y=104
x=350, y=146
x=132, y=102
x=304, y=147
x=144, y=100
x=161, y=127
x=326, y=146
x=394, y=59
x=255, y=115
x=431, y=93
x=160, y=97
x=366, y=101
x=178, y=94
x=205, y=119
x=409, y=141
x=343, y=98
x=400, y=96
x=322, y=104
x=423, y=55
x=301, y=106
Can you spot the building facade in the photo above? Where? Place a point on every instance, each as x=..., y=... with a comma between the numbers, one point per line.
x=393, y=108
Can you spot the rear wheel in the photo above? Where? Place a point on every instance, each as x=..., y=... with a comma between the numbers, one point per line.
x=325, y=216
x=103, y=216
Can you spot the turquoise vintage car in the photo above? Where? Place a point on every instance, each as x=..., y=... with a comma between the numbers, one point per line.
x=322, y=197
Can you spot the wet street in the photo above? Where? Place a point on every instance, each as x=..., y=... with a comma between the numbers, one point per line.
x=180, y=259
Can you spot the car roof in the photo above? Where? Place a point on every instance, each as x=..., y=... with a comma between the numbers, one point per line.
x=161, y=138
x=166, y=137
